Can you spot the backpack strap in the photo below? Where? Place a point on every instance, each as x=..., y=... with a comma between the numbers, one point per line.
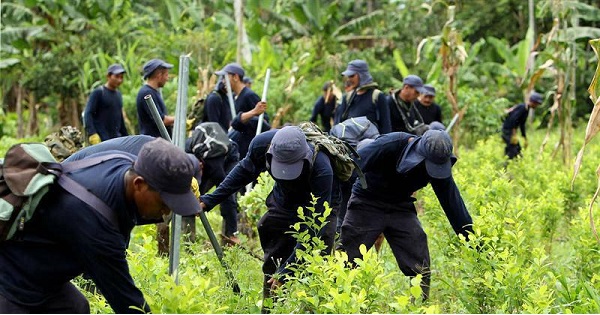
x=83, y=193
x=374, y=99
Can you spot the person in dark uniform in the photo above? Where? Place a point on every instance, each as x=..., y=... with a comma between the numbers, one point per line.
x=216, y=107
x=324, y=107
x=395, y=166
x=517, y=118
x=248, y=107
x=103, y=115
x=364, y=98
x=403, y=112
x=427, y=107
x=287, y=156
x=66, y=237
x=248, y=82
x=156, y=72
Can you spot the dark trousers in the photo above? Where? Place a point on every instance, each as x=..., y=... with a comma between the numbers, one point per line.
x=277, y=242
x=67, y=300
x=365, y=220
x=511, y=150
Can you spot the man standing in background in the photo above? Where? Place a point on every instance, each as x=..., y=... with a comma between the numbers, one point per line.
x=156, y=72
x=427, y=107
x=103, y=116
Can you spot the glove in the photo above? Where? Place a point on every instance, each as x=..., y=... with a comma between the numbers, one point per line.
x=94, y=139
x=514, y=139
x=195, y=187
x=189, y=124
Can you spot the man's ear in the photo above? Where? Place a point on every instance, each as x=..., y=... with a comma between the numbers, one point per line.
x=139, y=183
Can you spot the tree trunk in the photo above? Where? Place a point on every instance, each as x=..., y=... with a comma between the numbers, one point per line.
x=32, y=127
x=75, y=114
x=20, y=111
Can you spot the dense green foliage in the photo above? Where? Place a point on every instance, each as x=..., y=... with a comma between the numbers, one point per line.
x=537, y=253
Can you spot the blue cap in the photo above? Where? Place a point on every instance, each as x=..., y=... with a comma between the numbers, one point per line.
x=169, y=170
x=436, y=125
x=414, y=81
x=428, y=90
x=153, y=64
x=115, y=69
x=356, y=66
x=535, y=97
x=289, y=150
x=435, y=147
x=233, y=68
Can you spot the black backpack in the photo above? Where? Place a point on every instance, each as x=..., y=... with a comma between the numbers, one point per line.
x=208, y=141
x=26, y=175
x=354, y=130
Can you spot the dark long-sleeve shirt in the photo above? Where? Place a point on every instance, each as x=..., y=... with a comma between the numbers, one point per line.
x=517, y=118
x=429, y=113
x=66, y=237
x=216, y=109
x=104, y=114
x=411, y=114
x=288, y=195
x=145, y=121
x=378, y=162
x=325, y=110
x=362, y=105
x=243, y=133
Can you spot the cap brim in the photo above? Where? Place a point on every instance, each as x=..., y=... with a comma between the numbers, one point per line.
x=421, y=89
x=348, y=73
x=410, y=158
x=167, y=65
x=118, y=71
x=221, y=72
x=183, y=204
x=286, y=171
x=439, y=171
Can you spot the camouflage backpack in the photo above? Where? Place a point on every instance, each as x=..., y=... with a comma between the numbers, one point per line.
x=341, y=155
x=64, y=142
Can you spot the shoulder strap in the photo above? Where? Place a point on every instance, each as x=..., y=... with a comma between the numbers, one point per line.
x=85, y=195
x=374, y=99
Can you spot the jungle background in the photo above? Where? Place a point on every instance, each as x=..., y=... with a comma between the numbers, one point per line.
x=540, y=254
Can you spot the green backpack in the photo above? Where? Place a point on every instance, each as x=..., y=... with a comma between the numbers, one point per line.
x=341, y=155
x=26, y=175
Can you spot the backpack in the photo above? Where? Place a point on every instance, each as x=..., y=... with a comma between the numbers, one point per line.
x=64, y=142
x=208, y=141
x=354, y=130
x=26, y=175
x=197, y=110
x=340, y=153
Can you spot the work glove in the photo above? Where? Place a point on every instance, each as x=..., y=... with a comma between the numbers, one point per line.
x=195, y=187
x=514, y=139
x=189, y=124
x=94, y=139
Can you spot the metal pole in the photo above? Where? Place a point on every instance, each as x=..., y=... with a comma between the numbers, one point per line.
x=451, y=124
x=179, y=133
x=218, y=251
x=156, y=117
x=264, y=99
x=230, y=96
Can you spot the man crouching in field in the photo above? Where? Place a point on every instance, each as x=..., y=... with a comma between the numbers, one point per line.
x=395, y=166
x=66, y=237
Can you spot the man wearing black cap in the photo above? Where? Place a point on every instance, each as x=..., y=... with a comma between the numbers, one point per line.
x=395, y=166
x=103, y=115
x=66, y=236
x=248, y=107
x=404, y=115
x=516, y=118
x=156, y=74
x=364, y=98
x=427, y=107
x=288, y=157
x=324, y=107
